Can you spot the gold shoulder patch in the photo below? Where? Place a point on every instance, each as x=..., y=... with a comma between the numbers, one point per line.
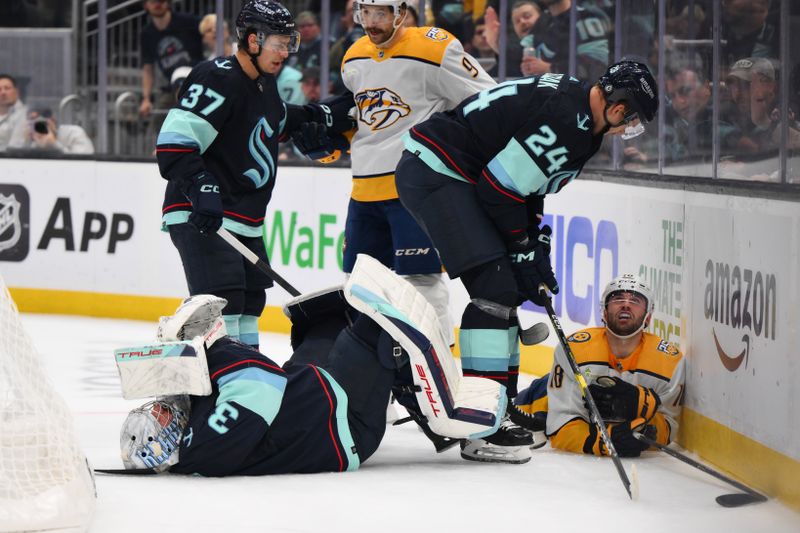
x=581, y=336
x=437, y=34
x=668, y=348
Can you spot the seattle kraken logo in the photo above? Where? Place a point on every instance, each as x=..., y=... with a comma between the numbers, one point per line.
x=260, y=153
x=380, y=108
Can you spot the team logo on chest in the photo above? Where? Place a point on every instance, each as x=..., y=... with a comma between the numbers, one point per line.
x=380, y=108
x=259, y=150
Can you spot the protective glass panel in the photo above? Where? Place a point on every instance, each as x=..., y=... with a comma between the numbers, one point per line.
x=750, y=118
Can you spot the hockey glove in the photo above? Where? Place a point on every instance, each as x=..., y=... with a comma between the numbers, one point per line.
x=625, y=443
x=619, y=400
x=530, y=260
x=311, y=138
x=203, y=192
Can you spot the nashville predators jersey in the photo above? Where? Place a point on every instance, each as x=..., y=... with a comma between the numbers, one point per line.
x=655, y=364
x=426, y=70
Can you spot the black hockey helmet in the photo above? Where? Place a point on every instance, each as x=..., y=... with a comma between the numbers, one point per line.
x=266, y=17
x=633, y=83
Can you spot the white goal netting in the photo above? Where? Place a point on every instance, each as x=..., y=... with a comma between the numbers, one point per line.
x=45, y=481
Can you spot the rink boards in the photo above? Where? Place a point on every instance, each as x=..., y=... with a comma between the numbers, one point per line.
x=83, y=237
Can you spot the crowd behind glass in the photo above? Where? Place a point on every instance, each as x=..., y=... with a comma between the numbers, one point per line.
x=729, y=71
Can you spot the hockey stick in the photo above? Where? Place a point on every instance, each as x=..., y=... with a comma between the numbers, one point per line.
x=533, y=335
x=725, y=500
x=633, y=491
x=253, y=258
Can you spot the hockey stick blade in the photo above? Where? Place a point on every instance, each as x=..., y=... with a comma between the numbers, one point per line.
x=535, y=334
x=748, y=495
x=256, y=261
x=126, y=472
x=740, y=499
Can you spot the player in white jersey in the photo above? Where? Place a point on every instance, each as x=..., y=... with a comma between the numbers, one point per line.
x=399, y=77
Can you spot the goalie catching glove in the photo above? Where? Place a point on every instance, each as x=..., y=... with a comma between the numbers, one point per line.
x=619, y=400
x=530, y=260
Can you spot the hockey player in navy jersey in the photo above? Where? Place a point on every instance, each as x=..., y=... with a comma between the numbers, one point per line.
x=218, y=149
x=323, y=410
x=474, y=179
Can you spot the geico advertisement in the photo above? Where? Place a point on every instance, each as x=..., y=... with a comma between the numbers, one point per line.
x=601, y=230
x=744, y=319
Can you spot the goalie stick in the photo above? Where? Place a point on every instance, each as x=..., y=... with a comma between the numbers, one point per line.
x=747, y=496
x=253, y=258
x=633, y=491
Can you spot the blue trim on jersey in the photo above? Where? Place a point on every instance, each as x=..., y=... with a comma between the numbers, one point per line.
x=343, y=427
x=516, y=170
x=513, y=343
x=255, y=389
x=182, y=217
x=232, y=325
x=170, y=137
x=248, y=329
x=282, y=123
x=189, y=125
x=428, y=157
x=485, y=350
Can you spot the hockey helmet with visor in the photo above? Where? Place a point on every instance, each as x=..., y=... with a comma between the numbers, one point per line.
x=266, y=18
x=396, y=6
x=632, y=289
x=631, y=83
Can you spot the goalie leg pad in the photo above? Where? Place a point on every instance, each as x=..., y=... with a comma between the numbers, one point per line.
x=454, y=406
x=309, y=310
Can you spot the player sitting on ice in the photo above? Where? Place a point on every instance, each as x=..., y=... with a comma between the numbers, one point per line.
x=323, y=410
x=636, y=379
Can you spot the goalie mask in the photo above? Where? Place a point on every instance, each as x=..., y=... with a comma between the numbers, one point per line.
x=199, y=315
x=632, y=288
x=151, y=435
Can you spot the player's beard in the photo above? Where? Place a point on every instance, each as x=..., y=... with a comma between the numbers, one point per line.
x=614, y=324
x=381, y=37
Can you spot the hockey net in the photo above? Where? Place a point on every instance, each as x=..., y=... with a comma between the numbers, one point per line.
x=45, y=480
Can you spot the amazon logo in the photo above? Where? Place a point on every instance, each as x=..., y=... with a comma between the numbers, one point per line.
x=380, y=108
x=743, y=300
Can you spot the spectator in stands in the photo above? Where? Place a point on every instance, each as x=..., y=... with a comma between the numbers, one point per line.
x=551, y=42
x=479, y=46
x=41, y=132
x=310, y=84
x=352, y=33
x=289, y=85
x=208, y=31
x=688, y=116
x=178, y=76
x=746, y=32
x=12, y=110
x=524, y=14
x=412, y=17
x=310, y=42
x=169, y=40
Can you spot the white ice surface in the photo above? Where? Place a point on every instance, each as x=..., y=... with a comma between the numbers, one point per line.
x=404, y=487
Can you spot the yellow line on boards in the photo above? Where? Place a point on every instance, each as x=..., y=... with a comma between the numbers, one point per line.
x=743, y=458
